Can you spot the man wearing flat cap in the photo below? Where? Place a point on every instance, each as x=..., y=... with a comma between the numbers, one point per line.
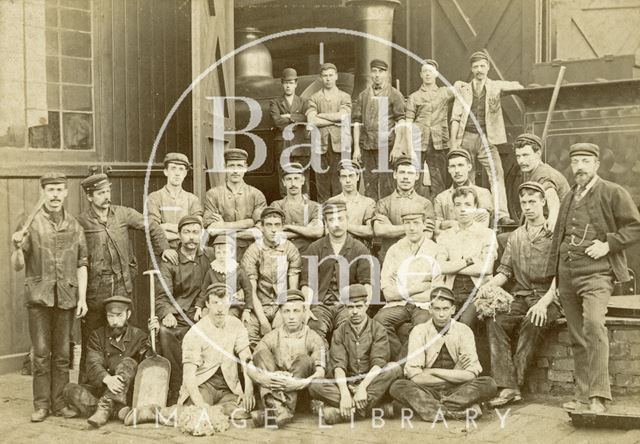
x=359, y=362
x=330, y=264
x=373, y=145
x=211, y=352
x=273, y=265
x=534, y=307
x=112, y=264
x=459, y=167
x=597, y=222
x=480, y=102
x=288, y=111
x=303, y=219
x=329, y=112
x=528, y=152
x=234, y=207
x=54, y=251
x=177, y=290
x=442, y=367
x=387, y=221
x=428, y=110
x=287, y=360
x=113, y=354
x=171, y=203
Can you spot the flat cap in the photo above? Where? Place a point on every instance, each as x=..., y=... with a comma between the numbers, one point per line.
x=478, y=55
x=333, y=205
x=346, y=164
x=178, y=158
x=117, y=304
x=52, y=179
x=294, y=295
x=535, y=186
x=442, y=293
x=326, y=66
x=272, y=211
x=380, y=64
x=222, y=239
x=292, y=168
x=357, y=293
x=218, y=289
x=289, y=74
x=235, y=154
x=403, y=160
x=527, y=139
x=188, y=220
x=459, y=153
x=95, y=182
x=431, y=62
x=584, y=149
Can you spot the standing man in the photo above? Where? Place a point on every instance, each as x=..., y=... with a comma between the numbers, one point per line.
x=330, y=110
x=112, y=264
x=533, y=309
x=528, y=151
x=598, y=220
x=286, y=110
x=481, y=98
x=171, y=203
x=302, y=222
x=54, y=250
x=428, y=108
x=459, y=168
x=378, y=103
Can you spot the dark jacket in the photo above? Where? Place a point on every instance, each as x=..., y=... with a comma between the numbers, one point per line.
x=280, y=106
x=357, y=354
x=615, y=218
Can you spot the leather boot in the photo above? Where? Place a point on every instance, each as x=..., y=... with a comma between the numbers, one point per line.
x=103, y=413
x=127, y=371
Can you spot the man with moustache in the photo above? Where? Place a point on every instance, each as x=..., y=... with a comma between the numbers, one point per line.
x=176, y=295
x=54, y=251
x=481, y=98
x=597, y=222
x=285, y=110
x=170, y=203
x=371, y=142
x=112, y=264
x=459, y=168
x=359, y=361
x=528, y=152
x=327, y=110
x=302, y=222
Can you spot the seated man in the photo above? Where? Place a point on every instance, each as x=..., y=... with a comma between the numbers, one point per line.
x=286, y=361
x=176, y=309
x=359, y=349
x=442, y=367
x=211, y=350
x=330, y=264
x=471, y=250
x=113, y=354
x=272, y=264
x=534, y=306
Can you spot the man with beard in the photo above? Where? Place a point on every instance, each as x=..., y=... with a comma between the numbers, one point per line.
x=286, y=361
x=176, y=297
x=286, y=110
x=387, y=222
x=379, y=102
x=54, y=250
x=327, y=110
x=359, y=362
x=273, y=264
x=533, y=308
x=597, y=222
x=459, y=168
x=481, y=99
x=234, y=207
x=528, y=151
x=331, y=264
x=112, y=264
x=302, y=222
x=171, y=203
x=211, y=350
x=113, y=354
x=442, y=369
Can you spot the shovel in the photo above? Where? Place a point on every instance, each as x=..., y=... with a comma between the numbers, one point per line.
x=152, y=379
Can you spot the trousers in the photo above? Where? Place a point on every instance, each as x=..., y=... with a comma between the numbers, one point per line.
x=398, y=321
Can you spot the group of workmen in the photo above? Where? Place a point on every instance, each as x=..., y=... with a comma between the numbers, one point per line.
x=259, y=303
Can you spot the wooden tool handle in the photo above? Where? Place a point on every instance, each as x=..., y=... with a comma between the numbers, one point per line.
x=152, y=301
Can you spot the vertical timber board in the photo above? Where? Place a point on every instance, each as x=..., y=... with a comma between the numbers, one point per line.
x=132, y=87
x=119, y=119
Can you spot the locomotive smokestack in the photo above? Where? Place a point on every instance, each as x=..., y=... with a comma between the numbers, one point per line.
x=254, y=62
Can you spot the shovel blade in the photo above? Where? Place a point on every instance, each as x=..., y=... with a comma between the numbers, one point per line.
x=152, y=382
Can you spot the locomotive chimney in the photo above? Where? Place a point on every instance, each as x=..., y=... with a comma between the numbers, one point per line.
x=254, y=62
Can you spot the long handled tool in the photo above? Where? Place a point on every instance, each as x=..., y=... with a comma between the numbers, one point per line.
x=152, y=379
x=18, y=255
x=552, y=104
